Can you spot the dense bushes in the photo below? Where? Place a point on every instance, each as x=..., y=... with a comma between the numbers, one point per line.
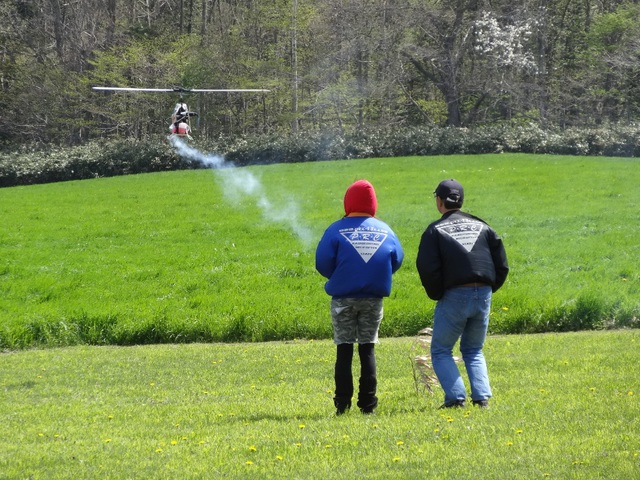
x=24, y=167
x=106, y=159
x=619, y=141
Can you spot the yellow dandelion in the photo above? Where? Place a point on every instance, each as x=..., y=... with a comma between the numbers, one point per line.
x=519, y=431
x=509, y=444
x=298, y=444
x=399, y=442
x=449, y=419
x=110, y=417
x=630, y=393
x=41, y=434
x=505, y=308
x=302, y=425
x=396, y=459
x=253, y=448
x=174, y=442
x=158, y=450
x=249, y=462
x=436, y=430
x=279, y=457
x=107, y=440
x=201, y=442
x=328, y=446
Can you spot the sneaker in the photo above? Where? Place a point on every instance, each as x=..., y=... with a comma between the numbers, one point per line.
x=455, y=404
x=481, y=403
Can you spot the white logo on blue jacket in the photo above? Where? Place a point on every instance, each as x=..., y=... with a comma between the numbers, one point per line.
x=365, y=240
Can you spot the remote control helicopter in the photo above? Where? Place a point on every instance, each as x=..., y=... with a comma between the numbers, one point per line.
x=180, y=125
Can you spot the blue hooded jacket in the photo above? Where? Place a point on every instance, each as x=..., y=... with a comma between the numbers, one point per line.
x=358, y=255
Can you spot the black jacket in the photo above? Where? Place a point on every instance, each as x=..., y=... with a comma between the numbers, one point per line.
x=459, y=249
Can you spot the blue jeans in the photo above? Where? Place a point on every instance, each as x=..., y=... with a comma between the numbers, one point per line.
x=462, y=313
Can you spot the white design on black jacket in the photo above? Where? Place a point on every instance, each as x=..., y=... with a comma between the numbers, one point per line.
x=458, y=249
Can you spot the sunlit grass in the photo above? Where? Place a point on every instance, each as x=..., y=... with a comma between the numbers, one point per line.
x=168, y=257
x=564, y=406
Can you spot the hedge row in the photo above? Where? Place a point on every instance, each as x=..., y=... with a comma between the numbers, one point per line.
x=122, y=157
x=92, y=160
x=614, y=142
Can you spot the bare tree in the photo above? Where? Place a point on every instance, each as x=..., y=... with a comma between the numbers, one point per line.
x=440, y=46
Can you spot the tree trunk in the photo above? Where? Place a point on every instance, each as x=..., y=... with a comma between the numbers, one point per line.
x=203, y=23
x=58, y=28
x=181, y=27
x=294, y=69
x=111, y=26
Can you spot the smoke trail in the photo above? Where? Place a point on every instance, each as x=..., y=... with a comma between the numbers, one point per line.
x=239, y=183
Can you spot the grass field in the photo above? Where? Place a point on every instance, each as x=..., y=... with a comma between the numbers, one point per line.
x=565, y=406
x=228, y=255
x=203, y=256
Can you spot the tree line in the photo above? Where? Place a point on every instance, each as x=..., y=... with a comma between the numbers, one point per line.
x=330, y=65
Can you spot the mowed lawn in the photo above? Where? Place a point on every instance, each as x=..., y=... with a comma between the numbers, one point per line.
x=565, y=406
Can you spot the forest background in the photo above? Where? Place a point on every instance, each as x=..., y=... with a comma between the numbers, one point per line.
x=339, y=66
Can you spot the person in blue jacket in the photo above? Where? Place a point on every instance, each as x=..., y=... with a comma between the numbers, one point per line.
x=358, y=254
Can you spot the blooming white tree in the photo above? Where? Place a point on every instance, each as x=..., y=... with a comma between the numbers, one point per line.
x=504, y=45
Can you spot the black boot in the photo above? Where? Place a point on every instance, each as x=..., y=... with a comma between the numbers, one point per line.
x=343, y=378
x=367, y=400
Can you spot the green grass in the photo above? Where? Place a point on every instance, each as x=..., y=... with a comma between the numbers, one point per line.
x=565, y=406
x=173, y=257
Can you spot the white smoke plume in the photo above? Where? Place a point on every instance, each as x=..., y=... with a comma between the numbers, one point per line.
x=238, y=183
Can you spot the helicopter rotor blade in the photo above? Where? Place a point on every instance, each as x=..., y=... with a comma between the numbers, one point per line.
x=127, y=89
x=229, y=90
x=177, y=89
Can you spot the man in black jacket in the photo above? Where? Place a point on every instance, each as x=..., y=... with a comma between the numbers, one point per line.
x=461, y=262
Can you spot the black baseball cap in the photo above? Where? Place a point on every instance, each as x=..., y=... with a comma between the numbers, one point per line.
x=450, y=191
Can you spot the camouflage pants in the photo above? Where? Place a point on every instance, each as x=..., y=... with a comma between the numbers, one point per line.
x=356, y=320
